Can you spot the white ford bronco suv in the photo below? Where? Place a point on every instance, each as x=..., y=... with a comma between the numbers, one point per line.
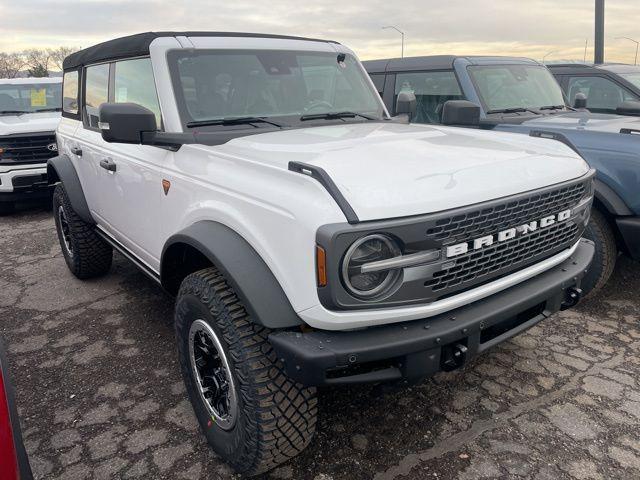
x=29, y=114
x=308, y=238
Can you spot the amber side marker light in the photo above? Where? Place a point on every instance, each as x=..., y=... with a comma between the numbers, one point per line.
x=321, y=266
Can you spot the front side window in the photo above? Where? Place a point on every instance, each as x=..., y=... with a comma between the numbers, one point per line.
x=96, y=92
x=432, y=90
x=70, y=92
x=134, y=83
x=504, y=87
x=30, y=97
x=285, y=86
x=603, y=95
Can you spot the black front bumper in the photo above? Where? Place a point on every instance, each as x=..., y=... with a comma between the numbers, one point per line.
x=421, y=348
x=629, y=228
x=28, y=187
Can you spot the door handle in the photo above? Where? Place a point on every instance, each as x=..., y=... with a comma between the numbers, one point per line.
x=76, y=151
x=108, y=164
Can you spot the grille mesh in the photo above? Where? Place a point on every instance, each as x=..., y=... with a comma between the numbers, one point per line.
x=502, y=256
x=26, y=149
x=490, y=220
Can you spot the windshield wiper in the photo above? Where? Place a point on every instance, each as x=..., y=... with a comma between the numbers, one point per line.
x=334, y=116
x=9, y=112
x=552, y=107
x=57, y=109
x=512, y=110
x=233, y=121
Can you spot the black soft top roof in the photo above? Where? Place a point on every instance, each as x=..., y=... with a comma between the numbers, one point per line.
x=138, y=45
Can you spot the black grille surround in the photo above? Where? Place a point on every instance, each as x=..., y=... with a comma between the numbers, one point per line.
x=26, y=148
x=447, y=277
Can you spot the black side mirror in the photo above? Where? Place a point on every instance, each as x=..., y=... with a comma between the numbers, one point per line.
x=580, y=101
x=460, y=112
x=630, y=107
x=406, y=104
x=125, y=122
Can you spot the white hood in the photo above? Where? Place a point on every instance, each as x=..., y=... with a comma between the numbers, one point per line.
x=29, y=123
x=388, y=170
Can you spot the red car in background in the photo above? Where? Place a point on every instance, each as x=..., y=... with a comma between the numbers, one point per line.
x=14, y=464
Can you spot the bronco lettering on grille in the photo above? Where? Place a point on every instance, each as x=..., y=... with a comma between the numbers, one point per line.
x=508, y=234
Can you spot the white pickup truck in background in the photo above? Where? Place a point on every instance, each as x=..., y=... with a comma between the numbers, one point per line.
x=29, y=114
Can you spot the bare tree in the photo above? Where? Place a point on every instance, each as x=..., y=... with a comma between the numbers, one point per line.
x=11, y=64
x=57, y=55
x=38, y=62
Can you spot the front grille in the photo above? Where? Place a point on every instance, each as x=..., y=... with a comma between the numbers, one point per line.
x=476, y=223
x=27, y=148
x=511, y=254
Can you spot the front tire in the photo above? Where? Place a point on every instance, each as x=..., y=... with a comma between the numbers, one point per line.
x=272, y=418
x=604, y=259
x=85, y=253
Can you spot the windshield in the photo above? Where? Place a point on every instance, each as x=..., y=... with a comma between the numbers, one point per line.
x=632, y=77
x=284, y=86
x=504, y=87
x=30, y=97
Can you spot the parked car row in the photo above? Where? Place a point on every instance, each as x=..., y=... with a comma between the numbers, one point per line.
x=310, y=234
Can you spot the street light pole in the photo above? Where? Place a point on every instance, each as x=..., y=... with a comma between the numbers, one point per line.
x=547, y=54
x=634, y=41
x=401, y=33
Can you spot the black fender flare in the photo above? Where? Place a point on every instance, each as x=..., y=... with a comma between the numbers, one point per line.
x=246, y=271
x=61, y=169
x=610, y=199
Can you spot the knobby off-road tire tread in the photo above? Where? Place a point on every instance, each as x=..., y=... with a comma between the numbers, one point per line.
x=92, y=256
x=604, y=261
x=280, y=414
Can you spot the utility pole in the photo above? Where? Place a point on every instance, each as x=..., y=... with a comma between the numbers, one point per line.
x=586, y=42
x=598, y=51
x=401, y=33
x=634, y=41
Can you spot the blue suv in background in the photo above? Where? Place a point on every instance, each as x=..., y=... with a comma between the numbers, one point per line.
x=520, y=95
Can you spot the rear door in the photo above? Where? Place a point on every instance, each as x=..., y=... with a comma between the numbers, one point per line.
x=126, y=179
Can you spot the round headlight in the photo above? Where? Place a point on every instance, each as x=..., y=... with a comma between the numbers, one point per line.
x=371, y=248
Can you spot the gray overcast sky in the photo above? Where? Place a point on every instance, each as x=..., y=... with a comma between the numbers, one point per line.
x=507, y=27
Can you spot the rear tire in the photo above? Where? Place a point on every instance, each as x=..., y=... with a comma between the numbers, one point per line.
x=275, y=418
x=604, y=259
x=86, y=254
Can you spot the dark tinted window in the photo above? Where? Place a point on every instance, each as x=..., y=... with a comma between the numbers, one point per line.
x=432, y=90
x=96, y=92
x=603, y=95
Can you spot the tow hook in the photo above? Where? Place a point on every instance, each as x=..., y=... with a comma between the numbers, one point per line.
x=571, y=298
x=453, y=356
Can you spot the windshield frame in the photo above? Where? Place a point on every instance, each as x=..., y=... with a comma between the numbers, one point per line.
x=288, y=121
x=30, y=85
x=530, y=109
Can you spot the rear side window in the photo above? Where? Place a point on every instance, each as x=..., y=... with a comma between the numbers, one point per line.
x=134, y=83
x=70, y=93
x=96, y=92
x=603, y=95
x=432, y=90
